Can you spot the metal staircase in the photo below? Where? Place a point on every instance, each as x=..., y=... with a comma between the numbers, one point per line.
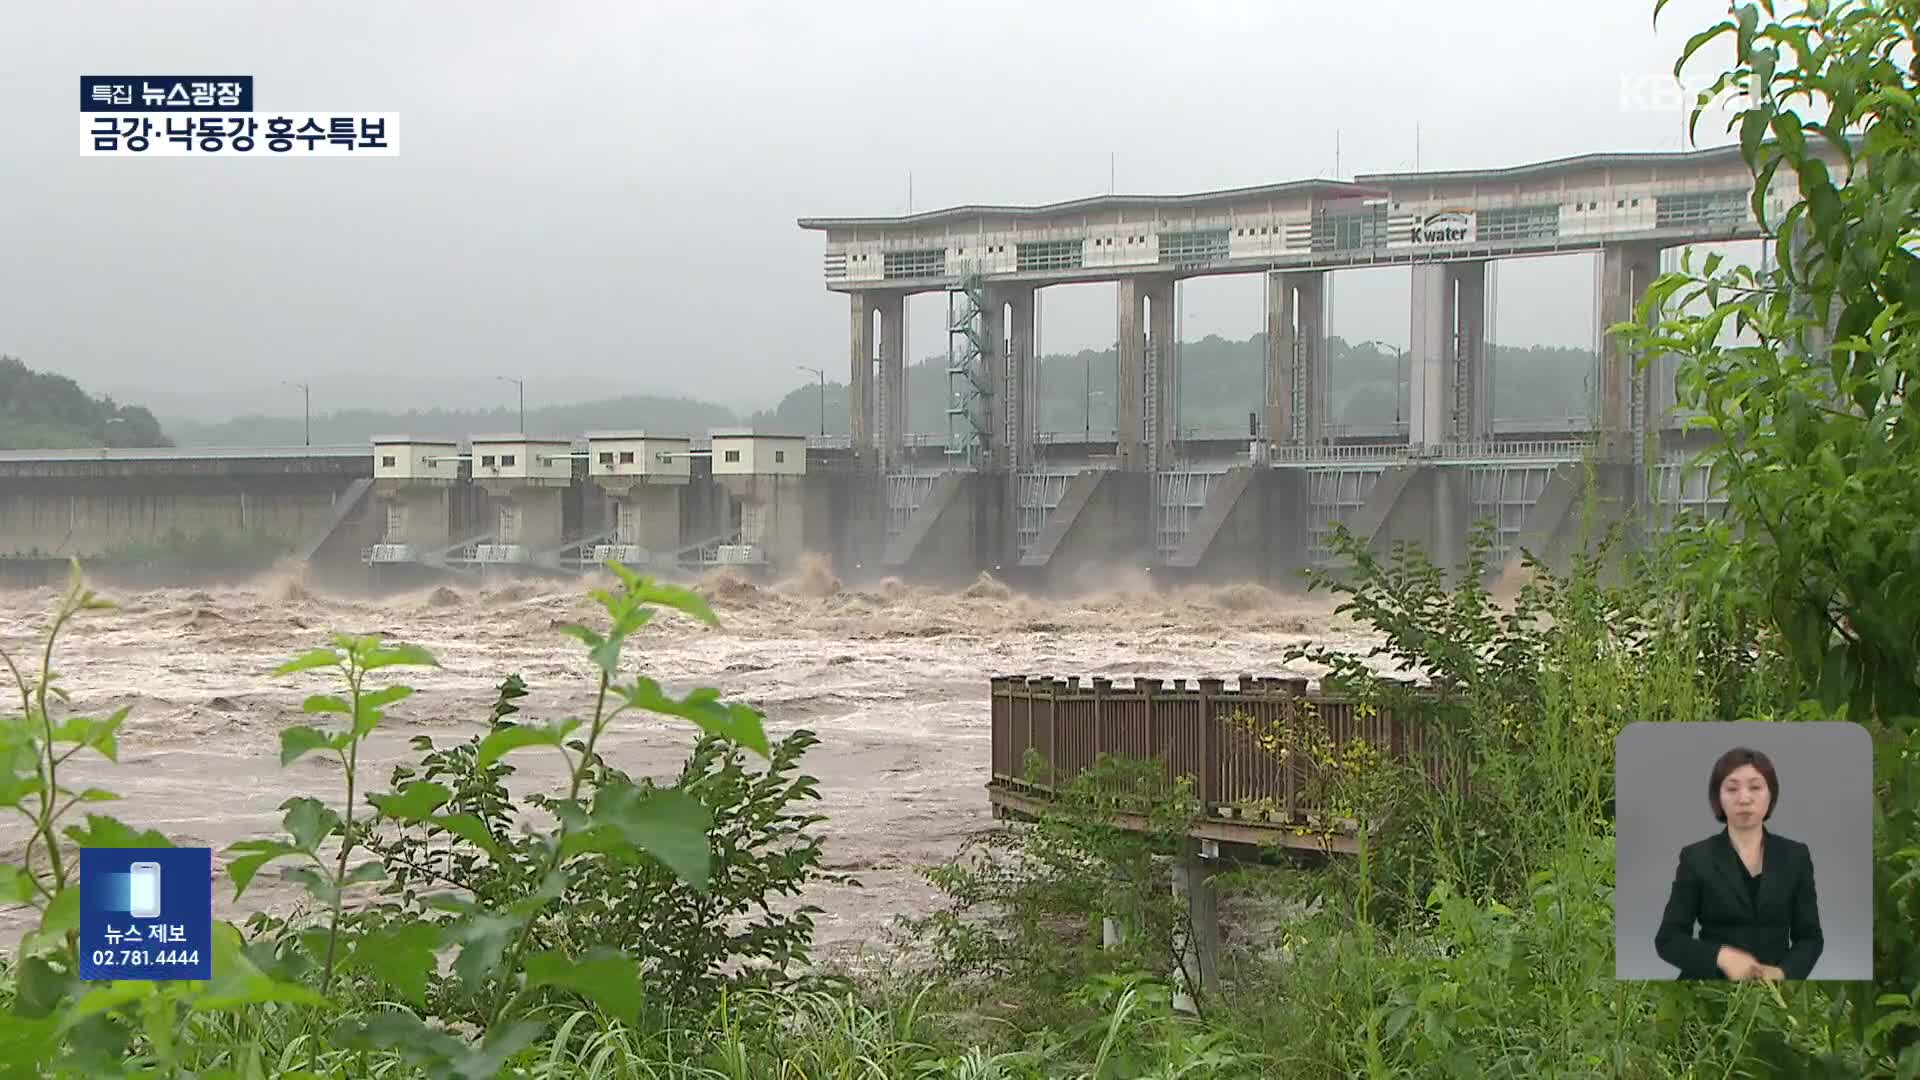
x=969, y=386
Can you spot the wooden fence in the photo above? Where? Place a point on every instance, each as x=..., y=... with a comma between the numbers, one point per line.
x=1247, y=751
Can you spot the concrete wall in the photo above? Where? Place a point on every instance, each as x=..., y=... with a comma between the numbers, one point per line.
x=772, y=513
x=647, y=515
x=846, y=521
x=1104, y=523
x=422, y=515
x=1424, y=505
x=88, y=518
x=336, y=563
x=1553, y=527
x=961, y=529
x=705, y=506
x=532, y=516
x=1253, y=529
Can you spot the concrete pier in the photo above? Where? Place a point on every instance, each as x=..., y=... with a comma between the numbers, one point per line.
x=1252, y=530
x=1102, y=524
x=958, y=531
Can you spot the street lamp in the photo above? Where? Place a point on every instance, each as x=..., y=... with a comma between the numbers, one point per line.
x=823, y=395
x=522, y=386
x=1400, y=388
x=306, y=396
x=1087, y=435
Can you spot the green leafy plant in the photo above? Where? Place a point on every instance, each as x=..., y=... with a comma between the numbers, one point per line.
x=692, y=943
x=1028, y=905
x=57, y=1022
x=698, y=943
x=310, y=823
x=1803, y=373
x=499, y=970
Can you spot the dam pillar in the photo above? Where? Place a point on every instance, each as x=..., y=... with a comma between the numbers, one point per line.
x=1448, y=385
x=644, y=477
x=1296, y=357
x=1146, y=375
x=525, y=481
x=413, y=481
x=876, y=414
x=1010, y=330
x=890, y=424
x=1625, y=272
x=860, y=373
x=765, y=476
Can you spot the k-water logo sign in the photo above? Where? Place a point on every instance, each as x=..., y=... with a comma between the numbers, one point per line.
x=214, y=116
x=1444, y=227
x=146, y=913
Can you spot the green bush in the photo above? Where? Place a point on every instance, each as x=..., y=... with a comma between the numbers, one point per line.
x=1471, y=938
x=1026, y=906
x=502, y=964
x=693, y=944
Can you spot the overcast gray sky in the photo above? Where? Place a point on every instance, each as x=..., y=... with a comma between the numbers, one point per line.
x=607, y=191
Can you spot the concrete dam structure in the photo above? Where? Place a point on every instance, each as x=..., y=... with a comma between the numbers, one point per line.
x=997, y=495
x=1266, y=507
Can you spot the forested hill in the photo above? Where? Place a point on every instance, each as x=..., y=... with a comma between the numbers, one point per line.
x=1222, y=382
x=44, y=411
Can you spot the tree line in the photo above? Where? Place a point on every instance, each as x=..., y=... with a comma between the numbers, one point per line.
x=1220, y=381
x=40, y=410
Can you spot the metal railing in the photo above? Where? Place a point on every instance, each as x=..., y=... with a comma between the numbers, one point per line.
x=1519, y=450
x=1390, y=452
x=1247, y=751
x=1496, y=451
x=190, y=453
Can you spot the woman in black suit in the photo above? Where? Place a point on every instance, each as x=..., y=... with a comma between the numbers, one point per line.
x=1750, y=890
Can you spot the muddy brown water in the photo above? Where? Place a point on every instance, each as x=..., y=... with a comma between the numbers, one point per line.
x=894, y=680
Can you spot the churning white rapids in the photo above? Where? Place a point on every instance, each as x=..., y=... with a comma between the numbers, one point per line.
x=894, y=680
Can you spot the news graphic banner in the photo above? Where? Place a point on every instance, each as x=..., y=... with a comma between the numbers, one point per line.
x=216, y=116
x=146, y=913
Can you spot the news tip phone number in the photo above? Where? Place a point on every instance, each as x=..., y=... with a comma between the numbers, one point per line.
x=242, y=134
x=137, y=958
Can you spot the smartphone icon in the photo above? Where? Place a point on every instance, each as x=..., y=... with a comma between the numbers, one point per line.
x=144, y=894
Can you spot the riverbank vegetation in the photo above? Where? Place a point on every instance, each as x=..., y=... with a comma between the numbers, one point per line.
x=623, y=927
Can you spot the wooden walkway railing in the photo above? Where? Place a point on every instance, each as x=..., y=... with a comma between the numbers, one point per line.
x=1246, y=750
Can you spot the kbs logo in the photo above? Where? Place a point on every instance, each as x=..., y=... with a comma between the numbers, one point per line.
x=1444, y=227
